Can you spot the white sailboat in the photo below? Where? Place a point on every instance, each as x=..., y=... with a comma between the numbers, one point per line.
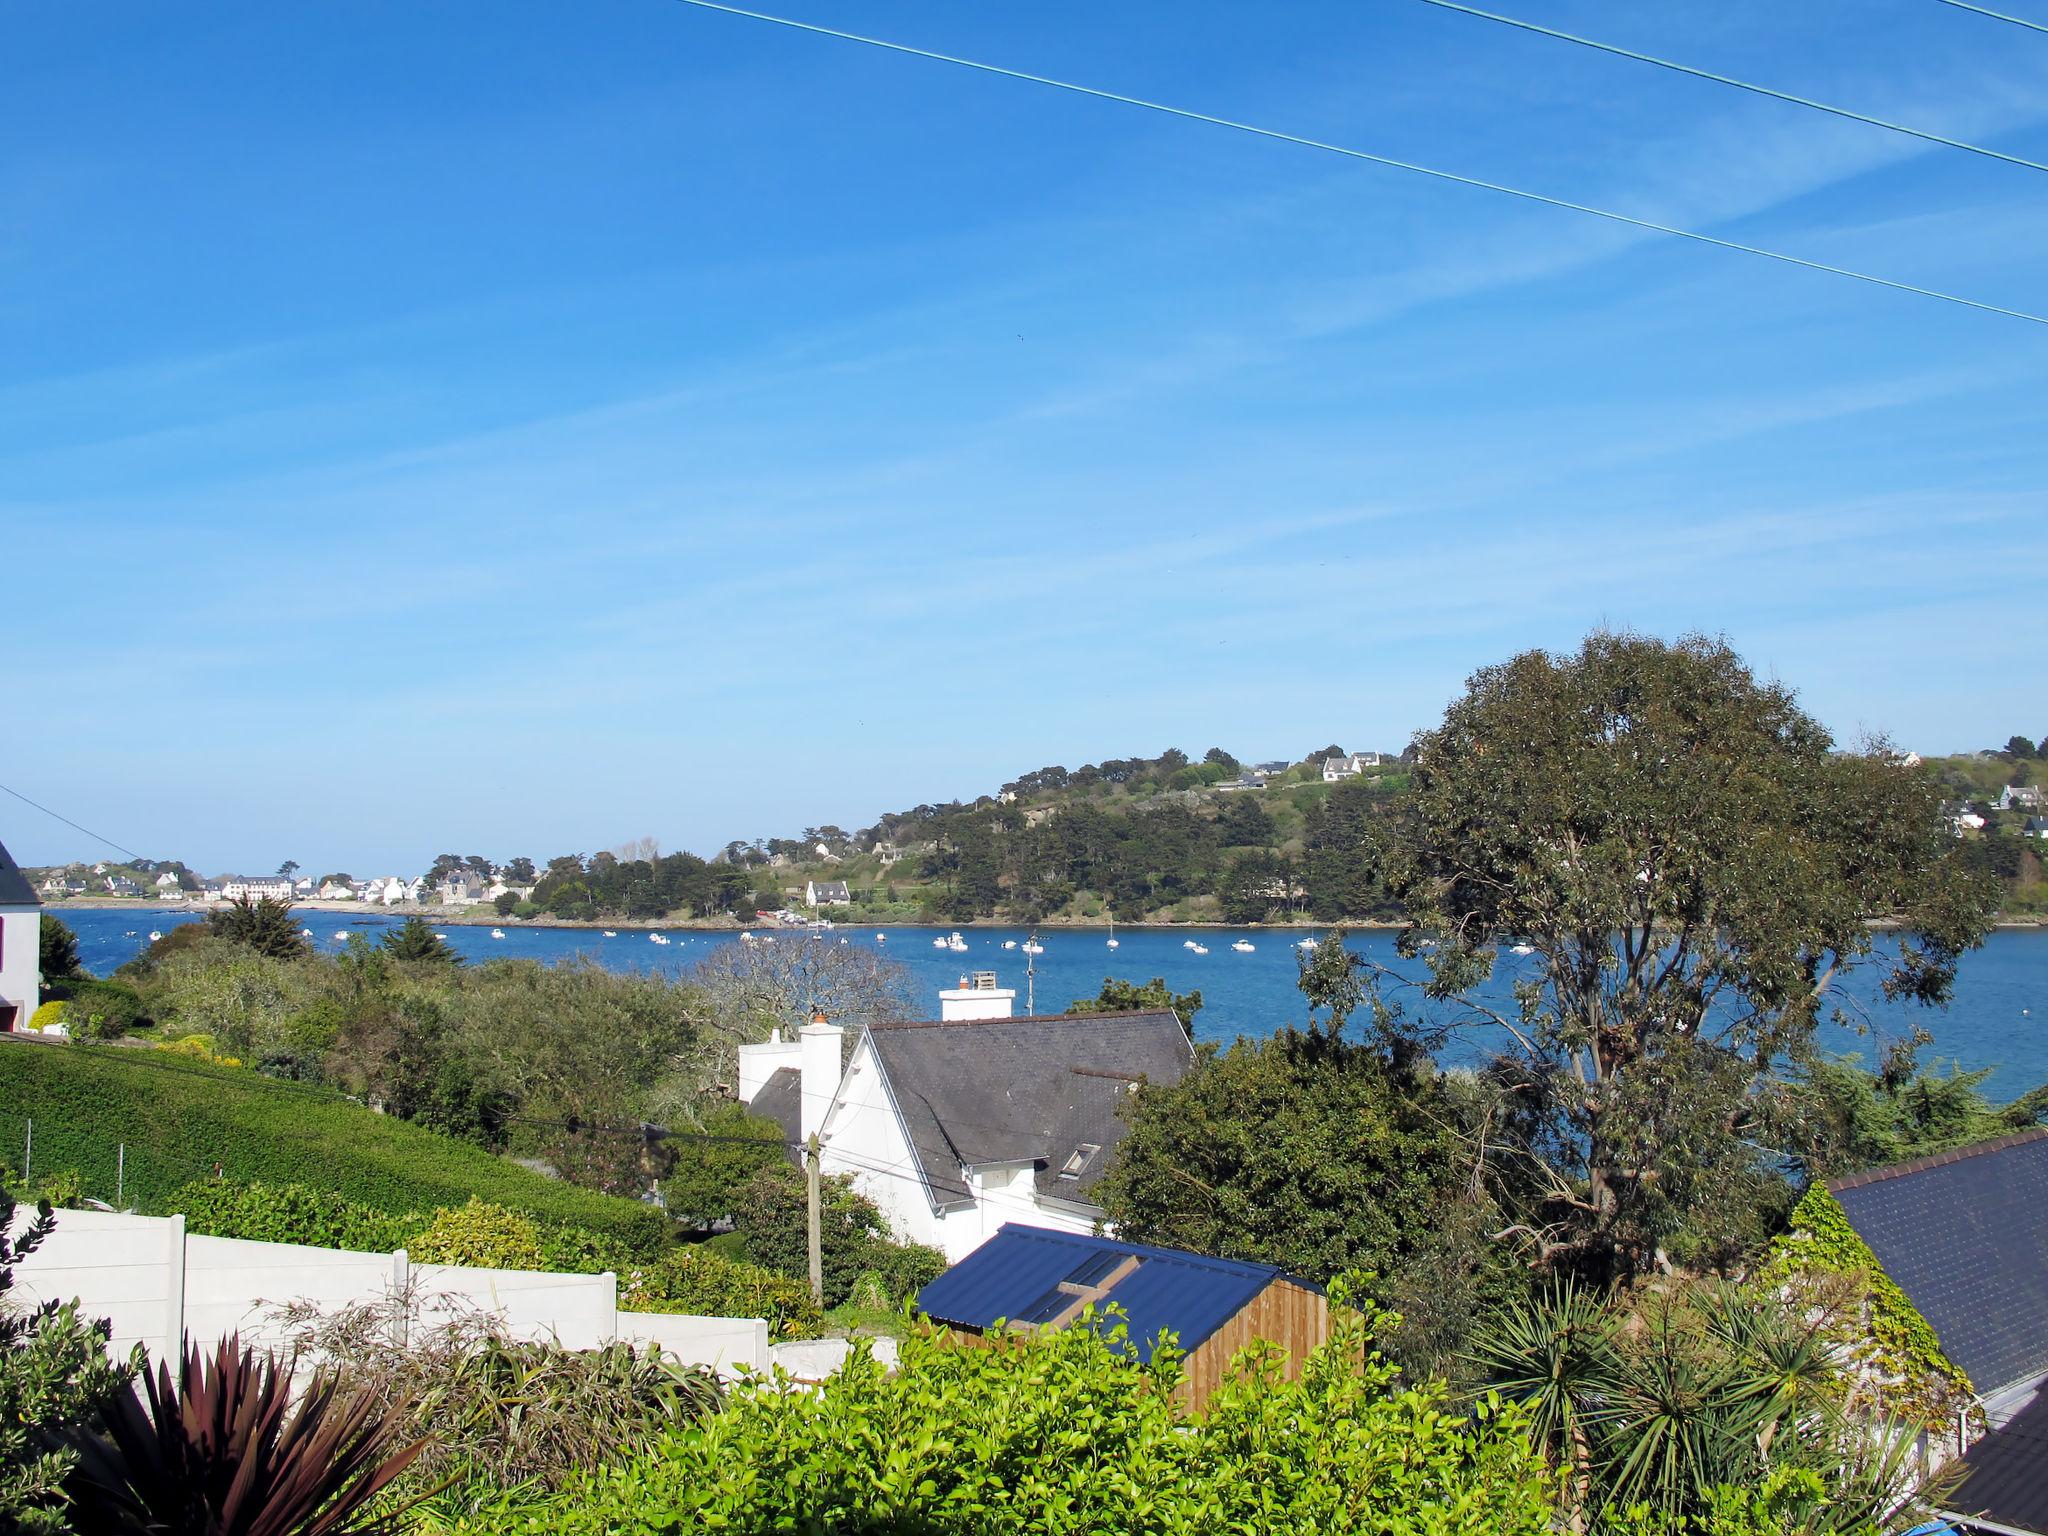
x=1033, y=947
x=155, y=934
x=1521, y=949
x=610, y=934
x=1112, y=931
x=1009, y=943
x=938, y=943
x=1244, y=946
x=1306, y=944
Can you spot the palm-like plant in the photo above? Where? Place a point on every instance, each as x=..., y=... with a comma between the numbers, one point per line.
x=1555, y=1353
x=221, y=1452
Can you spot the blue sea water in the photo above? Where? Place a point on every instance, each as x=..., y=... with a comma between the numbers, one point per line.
x=1998, y=1019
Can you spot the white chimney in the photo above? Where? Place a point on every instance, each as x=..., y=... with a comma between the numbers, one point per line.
x=819, y=1043
x=762, y=1061
x=977, y=997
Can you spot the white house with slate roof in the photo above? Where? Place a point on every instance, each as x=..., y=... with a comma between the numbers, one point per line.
x=956, y=1125
x=21, y=938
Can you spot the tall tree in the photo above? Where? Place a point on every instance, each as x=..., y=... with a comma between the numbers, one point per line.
x=57, y=955
x=413, y=939
x=1694, y=868
x=266, y=926
x=1128, y=997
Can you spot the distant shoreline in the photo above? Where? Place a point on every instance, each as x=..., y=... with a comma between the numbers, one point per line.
x=472, y=917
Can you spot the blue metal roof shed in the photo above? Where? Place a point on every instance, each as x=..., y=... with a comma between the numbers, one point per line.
x=1033, y=1277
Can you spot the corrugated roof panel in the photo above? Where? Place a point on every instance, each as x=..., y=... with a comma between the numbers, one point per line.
x=1187, y=1294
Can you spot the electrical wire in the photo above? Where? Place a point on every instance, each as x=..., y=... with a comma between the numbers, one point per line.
x=88, y=831
x=2018, y=21
x=1388, y=161
x=1741, y=85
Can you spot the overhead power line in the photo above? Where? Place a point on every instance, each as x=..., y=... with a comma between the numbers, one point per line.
x=1388, y=161
x=88, y=831
x=2018, y=21
x=1741, y=85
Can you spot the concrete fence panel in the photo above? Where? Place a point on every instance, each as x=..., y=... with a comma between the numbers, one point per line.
x=727, y=1344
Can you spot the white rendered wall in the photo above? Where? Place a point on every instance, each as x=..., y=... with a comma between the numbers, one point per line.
x=155, y=1284
x=21, y=934
x=864, y=1136
x=977, y=1003
x=760, y=1062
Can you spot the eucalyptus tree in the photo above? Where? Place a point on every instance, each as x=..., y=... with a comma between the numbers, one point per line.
x=1688, y=868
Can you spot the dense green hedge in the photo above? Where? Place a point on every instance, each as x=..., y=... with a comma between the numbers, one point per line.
x=182, y=1119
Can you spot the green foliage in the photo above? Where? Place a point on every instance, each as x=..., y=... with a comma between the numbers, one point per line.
x=55, y=1378
x=415, y=940
x=505, y=903
x=480, y=1236
x=226, y=1449
x=181, y=1118
x=697, y=1280
x=703, y=1183
x=51, y=1012
x=290, y=1213
x=853, y=1238
x=265, y=925
x=57, y=957
x=1693, y=865
x=1057, y=1434
x=1653, y=1411
x=1306, y=1151
x=1879, y=1324
x=1128, y=997
x=102, y=1010
x=1834, y=1117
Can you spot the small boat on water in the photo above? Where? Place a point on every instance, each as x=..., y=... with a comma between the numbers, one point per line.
x=1187, y=943
x=1200, y=949
x=305, y=933
x=155, y=934
x=610, y=934
x=881, y=938
x=1009, y=943
x=1033, y=947
x=341, y=935
x=1244, y=946
x=497, y=933
x=1112, y=943
x=1306, y=944
x=1521, y=949
x=955, y=943
x=938, y=943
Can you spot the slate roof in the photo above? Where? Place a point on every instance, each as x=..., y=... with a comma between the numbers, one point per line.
x=2005, y=1474
x=781, y=1099
x=15, y=891
x=829, y=890
x=1031, y=1089
x=1965, y=1236
x=1186, y=1294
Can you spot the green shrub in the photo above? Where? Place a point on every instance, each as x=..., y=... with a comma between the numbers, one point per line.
x=770, y=1212
x=1055, y=1432
x=50, y=1013
x=696, y=1280
x=103, y=1010
x=180, y=1117
x=480, y=1236
x=291, y=1213
x=708, y=1176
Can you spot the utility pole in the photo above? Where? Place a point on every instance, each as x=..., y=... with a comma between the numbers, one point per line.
x=812, y=1223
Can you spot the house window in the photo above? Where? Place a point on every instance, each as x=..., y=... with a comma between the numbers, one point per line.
x=1078, y=1160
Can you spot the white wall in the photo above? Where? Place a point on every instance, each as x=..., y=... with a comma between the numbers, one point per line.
x=21, y=935
x=863, y=1136
x=156, y=1284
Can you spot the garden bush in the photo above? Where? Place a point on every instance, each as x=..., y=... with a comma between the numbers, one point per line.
x=699, y=1281
x=181, y=1118
x=103, y=1010
x=1056, y=1434
x=769, y=1212
x=290, y=1213
x=481, y=1236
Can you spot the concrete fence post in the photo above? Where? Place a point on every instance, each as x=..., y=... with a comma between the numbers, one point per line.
x=611, y=1305
x=401, y=1300
x=174, y=1294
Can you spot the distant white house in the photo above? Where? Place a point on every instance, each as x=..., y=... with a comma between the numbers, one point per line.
x=1968, y=821
x=2037, y=826
x=1349, y=765
x=2020, y=797
x=826, y=893
x=21, y=939
x=257, y=887
x=956, y=1125
x=167, y=884
x=337, y=890
x=416, y=888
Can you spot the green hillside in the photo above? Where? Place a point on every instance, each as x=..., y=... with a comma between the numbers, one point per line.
x=183, y=1120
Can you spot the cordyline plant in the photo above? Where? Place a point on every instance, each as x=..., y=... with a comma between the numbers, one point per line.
x=1689, y=867
x=222, y=1451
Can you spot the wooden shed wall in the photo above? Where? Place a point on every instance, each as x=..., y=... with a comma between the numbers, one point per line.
x=1292, y=1316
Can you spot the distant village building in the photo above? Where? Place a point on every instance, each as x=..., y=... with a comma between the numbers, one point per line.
x=256, y=887
x=2021, y=797
x=1967, y=820
x=21, y=941
x=826, y=893
x=462, y=887
x=1349, y=765
x=957, y=1125
x=167, y=883
x=337, y=890
x=2037, y=826
x=1251, y=778
x=1273, y=769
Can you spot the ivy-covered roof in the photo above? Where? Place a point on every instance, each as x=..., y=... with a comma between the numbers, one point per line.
x=1965, y=1235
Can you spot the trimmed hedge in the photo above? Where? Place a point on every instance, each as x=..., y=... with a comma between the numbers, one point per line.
x=181, y=1119
x=700, y=1281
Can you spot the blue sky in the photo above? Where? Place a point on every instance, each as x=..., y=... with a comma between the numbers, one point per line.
x=513, y=428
